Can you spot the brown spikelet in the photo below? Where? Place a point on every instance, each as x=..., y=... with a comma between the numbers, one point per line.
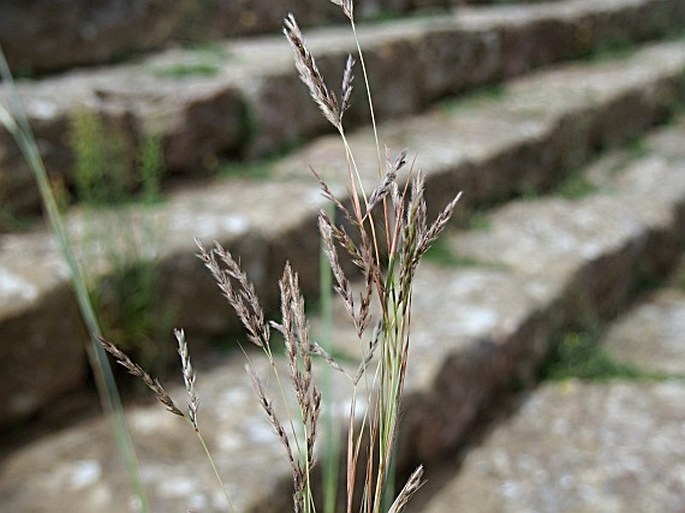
x=342, y=286
x=309, y=72
x=295, y=331
x=438, y=225
x=328, y=194
x=137, y=371
x=347, y=86
x=268, y=408
x=346, y=6
x=316, y=349
x=410, y=488
x=389, y=178
x=238, y=291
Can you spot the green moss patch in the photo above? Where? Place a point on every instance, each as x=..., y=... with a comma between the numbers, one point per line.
x=579, y=356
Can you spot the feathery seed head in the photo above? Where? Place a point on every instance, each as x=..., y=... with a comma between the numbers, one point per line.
x=309, y=72
x=347, y=7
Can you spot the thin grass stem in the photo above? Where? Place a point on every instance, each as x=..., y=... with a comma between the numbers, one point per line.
x=16, y=122
x=331, y=457
x=367, y=86
x=208, y=453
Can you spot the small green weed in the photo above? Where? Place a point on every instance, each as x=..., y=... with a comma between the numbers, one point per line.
x=388, y=15
x=179, y=71
x=105, y=173
x=384, y=16
x=204, y=61
x=101, y=167
x=262, y=167
x=474, y=220
x=575, y=186
x=132, y=313
x=257, y=170
x=151, y=168
x=679, y=277
x=612, y=48
x=209, y=50
x=441, y=254
x=479, y=222
x=579, y=356
x=486, y=93
x=638, y=147
x=107, y=181
x=10, y=221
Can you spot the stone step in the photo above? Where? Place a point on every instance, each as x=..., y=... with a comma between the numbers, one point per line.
x=477, y=329
x=84, y=34
x=243, y=98
x=559, y=262
x=580, y=445
x=526, y=138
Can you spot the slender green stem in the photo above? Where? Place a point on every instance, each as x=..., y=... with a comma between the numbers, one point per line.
x=216, y=471
x=16, y=122
x=331, y=463
x=367, y=85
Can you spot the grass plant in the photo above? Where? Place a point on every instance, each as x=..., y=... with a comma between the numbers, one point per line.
x=204, y=61
x=575, y=186
x=679, y=277
x=180, y=71
x=579, y=355
x=107, y=183
x=440, y=253
x=384, y=233
x=258, y=170
x=10, y=221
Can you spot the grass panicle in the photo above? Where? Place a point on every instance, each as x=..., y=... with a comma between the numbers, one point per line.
x=193, y=402
x=396, y=207
x=243, y=299
x=310, y=74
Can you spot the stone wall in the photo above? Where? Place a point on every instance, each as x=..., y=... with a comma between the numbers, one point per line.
x=51, y=35
x=40, y=36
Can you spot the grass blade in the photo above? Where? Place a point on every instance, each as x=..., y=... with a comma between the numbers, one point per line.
x=16, y=122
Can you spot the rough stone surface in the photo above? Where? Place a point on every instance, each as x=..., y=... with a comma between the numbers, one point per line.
x=557, y=454
x=48, y=35
x=38, y=314
x=570, y=260
x=83, y=468
x=524, y=139
x=244, y=98
x=458, y=150
x=476, y=329
x=579, y=447
x=42, y=332
x=545, y=262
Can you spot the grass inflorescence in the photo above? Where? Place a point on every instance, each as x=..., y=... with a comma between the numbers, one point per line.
x=384, y=232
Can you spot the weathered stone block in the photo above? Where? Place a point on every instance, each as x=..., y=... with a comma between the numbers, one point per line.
x=49, y=35
x=42, y=351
